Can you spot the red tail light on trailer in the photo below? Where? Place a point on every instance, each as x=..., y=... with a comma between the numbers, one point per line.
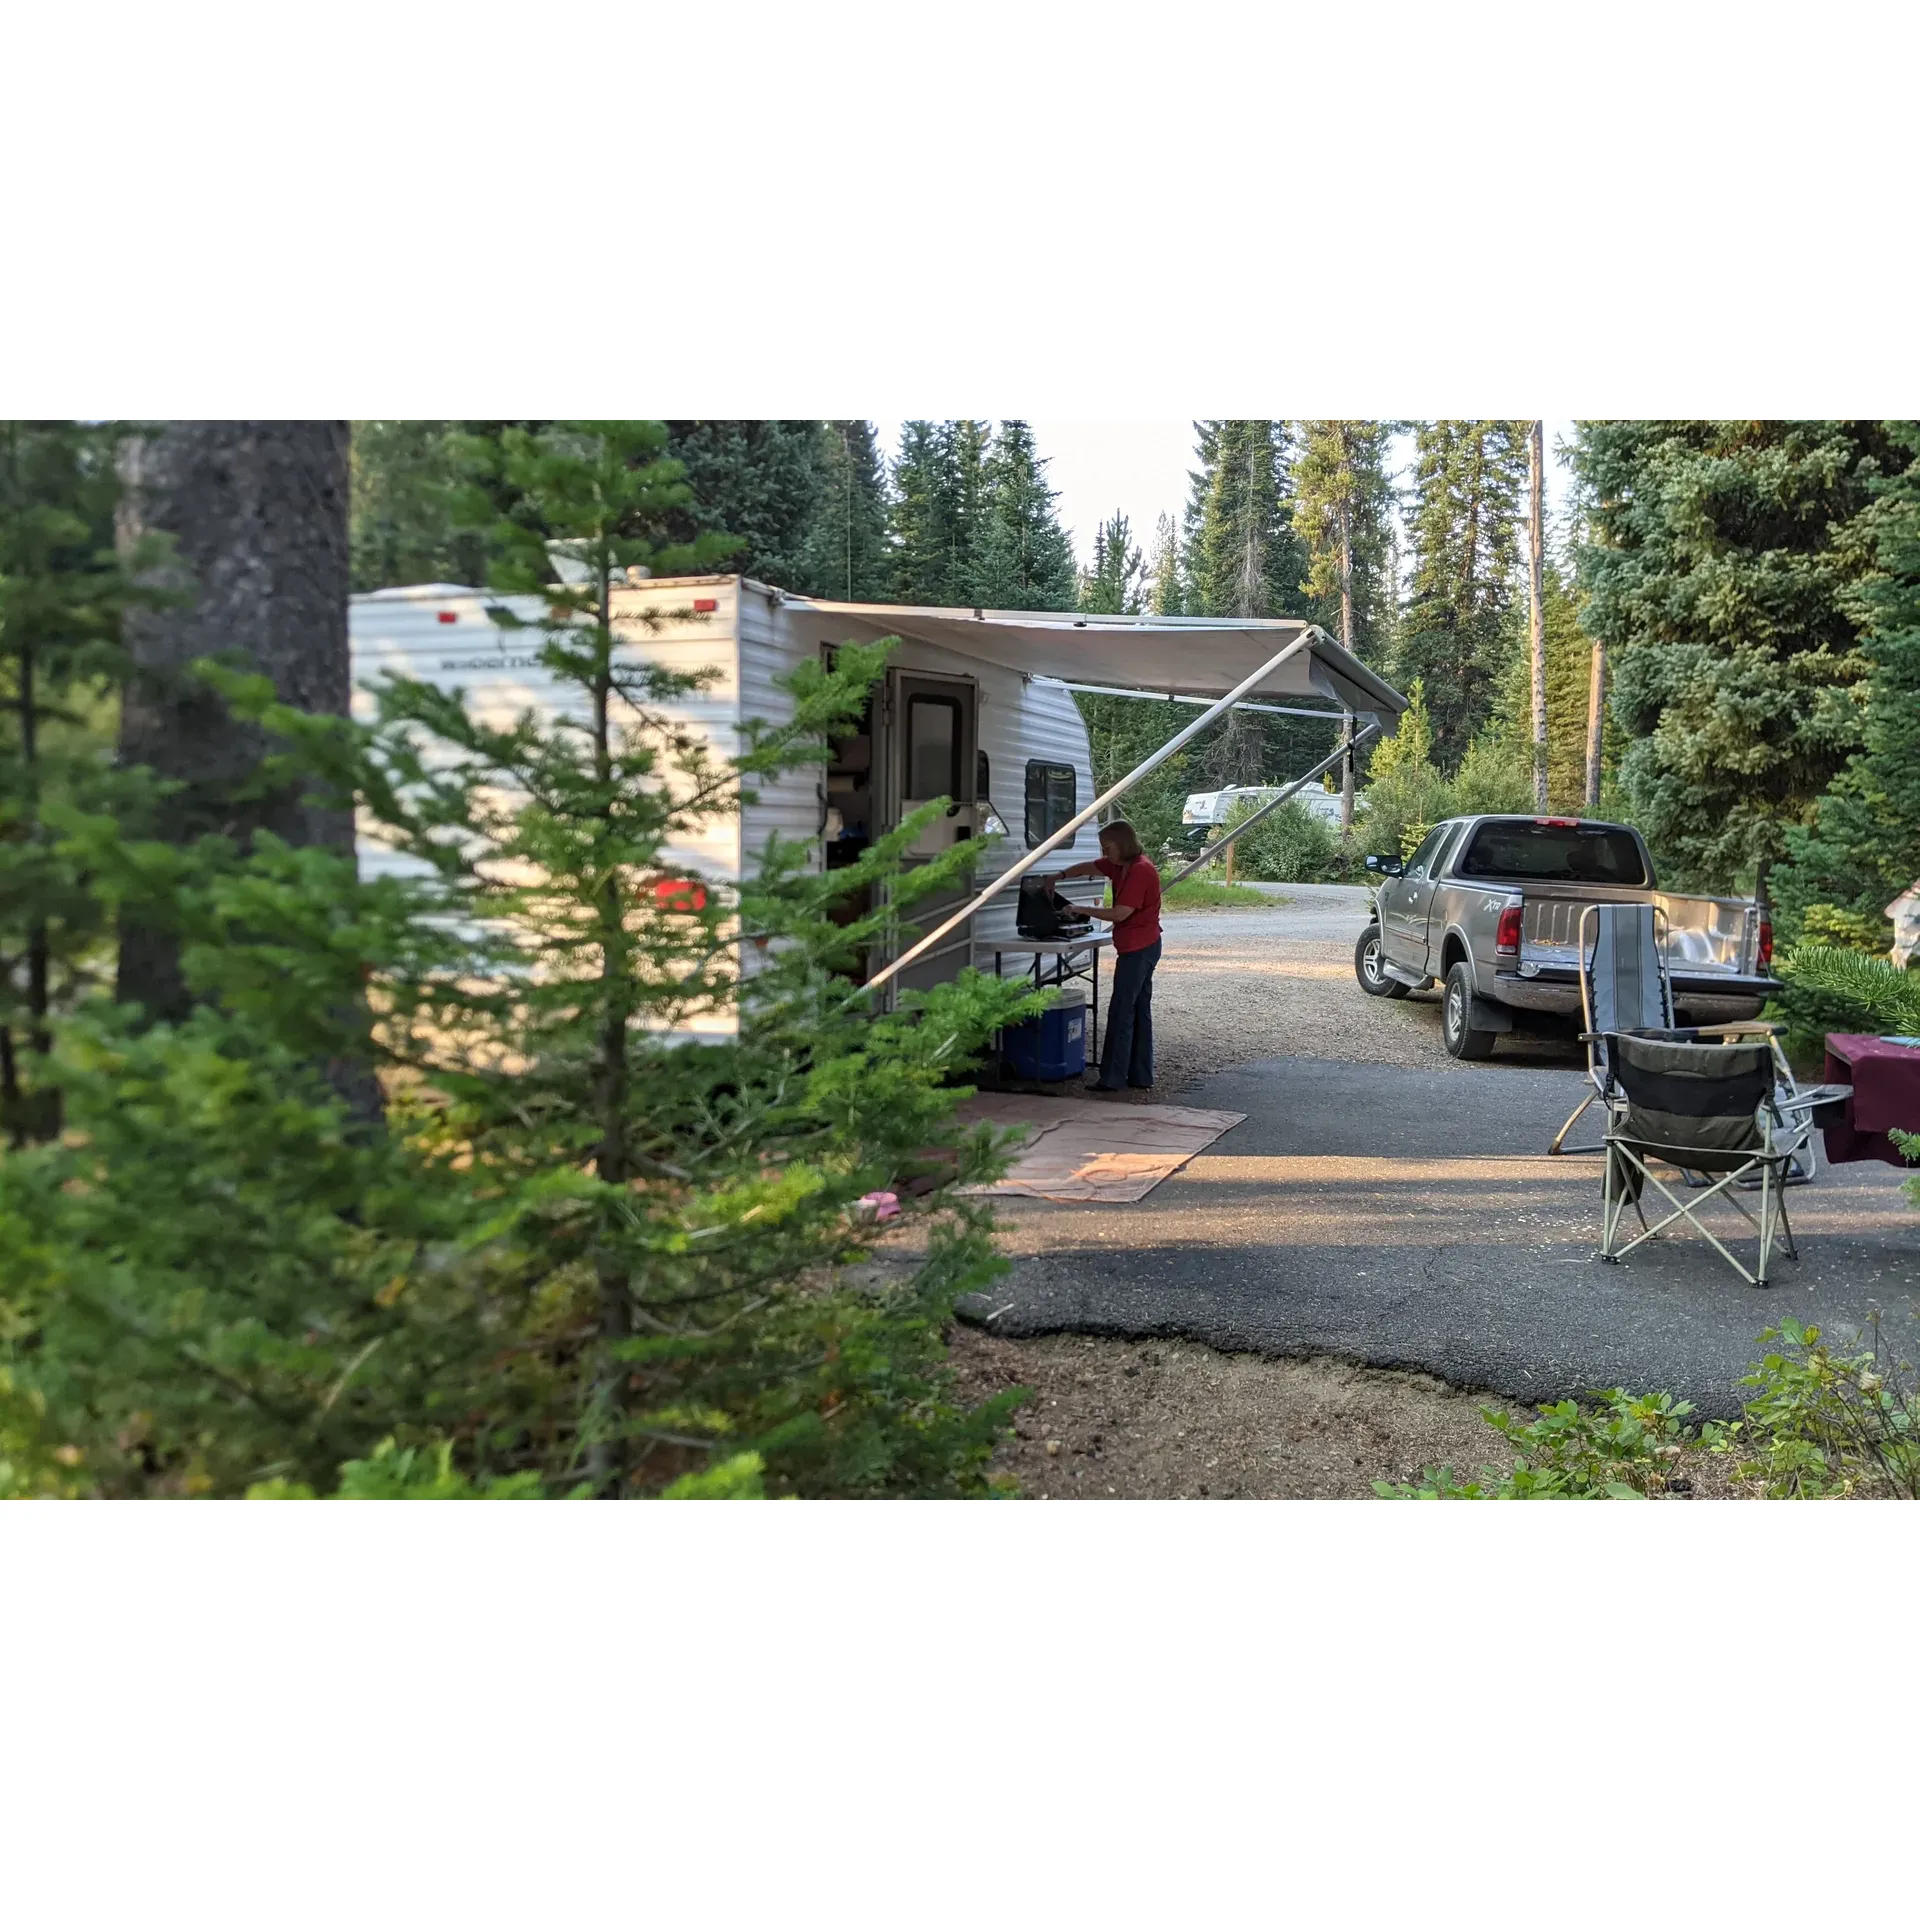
x=680, y=896
x=1506, y=937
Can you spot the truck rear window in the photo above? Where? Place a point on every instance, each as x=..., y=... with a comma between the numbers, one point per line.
x=1534, y=850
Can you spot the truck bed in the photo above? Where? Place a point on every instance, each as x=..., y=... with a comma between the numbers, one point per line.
x=1703, y=934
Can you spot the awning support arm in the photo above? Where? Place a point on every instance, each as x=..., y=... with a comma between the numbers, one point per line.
x=1215, y=848
x=1194, y=700
x=1061, y=835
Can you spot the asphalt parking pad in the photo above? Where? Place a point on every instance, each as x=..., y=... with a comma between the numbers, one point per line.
x=1404, y=1217
x=1077, y=1152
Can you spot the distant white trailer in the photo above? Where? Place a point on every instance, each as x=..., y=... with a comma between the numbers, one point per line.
x=1206, y=810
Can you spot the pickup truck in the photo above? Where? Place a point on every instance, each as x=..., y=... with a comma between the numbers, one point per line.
x=1489, y=906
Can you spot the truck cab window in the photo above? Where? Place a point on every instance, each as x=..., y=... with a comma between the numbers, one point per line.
x=1579, y=851
x=1423, y=860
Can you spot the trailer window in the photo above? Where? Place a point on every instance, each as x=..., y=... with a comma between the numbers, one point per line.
x=1053, y=798
x=933, y=747
x=1555, y=850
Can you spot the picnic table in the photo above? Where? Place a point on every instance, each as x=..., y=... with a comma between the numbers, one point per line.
x=1885, y=1077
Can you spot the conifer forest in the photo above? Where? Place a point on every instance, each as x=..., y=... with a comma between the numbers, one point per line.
x=319, y=1184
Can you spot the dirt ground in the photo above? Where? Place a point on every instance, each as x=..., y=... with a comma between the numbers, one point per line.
x=1169, y=1420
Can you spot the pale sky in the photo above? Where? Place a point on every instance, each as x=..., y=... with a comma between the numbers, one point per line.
x=1141, y=468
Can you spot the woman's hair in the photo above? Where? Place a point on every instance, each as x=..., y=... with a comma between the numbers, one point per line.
x=1125, y=843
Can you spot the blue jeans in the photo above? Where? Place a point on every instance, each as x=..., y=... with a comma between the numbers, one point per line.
x=1126, y=1055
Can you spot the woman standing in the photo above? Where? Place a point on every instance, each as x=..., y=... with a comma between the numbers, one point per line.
x=1126, y=1056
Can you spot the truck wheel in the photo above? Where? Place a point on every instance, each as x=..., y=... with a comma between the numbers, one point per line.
x=1373, y=977
x=1463, y=1042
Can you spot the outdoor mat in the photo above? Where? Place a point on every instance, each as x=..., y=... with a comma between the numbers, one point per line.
x=1078, y=1150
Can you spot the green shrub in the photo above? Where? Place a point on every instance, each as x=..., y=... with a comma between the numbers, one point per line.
x=1624, y=1449
x=1828, y=926
x=1822, y=1424
x=1817, y=1424
x=1289, y=844
x=1493, y=778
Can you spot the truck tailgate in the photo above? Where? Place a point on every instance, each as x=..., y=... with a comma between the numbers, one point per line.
x=1704, y=935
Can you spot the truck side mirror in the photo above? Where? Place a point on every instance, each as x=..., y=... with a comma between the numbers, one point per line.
x=1384, y=865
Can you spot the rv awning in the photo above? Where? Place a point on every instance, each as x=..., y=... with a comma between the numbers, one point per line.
x=1150, y=653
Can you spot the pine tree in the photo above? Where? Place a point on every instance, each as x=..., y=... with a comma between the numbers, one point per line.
x=760, y=482
x=1343, y=510
x=1114, y=583
x=922, y=510
x=1862, y=848
x=940, y=485
x=1245, y=558
x=1721, y=581
x=1568, y=686
x=1167, y=591
x=402, y=532
x=1022, y=559
x=847, y=553
x=405, y=476
x=63, y=594
x=589, y=1252
x=969, y=482
x=1465, y=521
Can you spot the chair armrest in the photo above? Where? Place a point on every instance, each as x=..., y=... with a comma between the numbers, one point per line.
x=1742, y=1026
x=1829, y=1094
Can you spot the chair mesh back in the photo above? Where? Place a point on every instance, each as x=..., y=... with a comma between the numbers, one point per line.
x=1624, y=978
x=1693, y=1104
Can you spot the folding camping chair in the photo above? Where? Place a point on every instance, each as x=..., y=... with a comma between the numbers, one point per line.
x=1713, y=1109
x=1625, y=988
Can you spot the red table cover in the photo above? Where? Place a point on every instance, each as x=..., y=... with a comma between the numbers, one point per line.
x=1885, y=1077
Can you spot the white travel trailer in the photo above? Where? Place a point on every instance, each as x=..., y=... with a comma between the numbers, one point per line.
x=974, y=707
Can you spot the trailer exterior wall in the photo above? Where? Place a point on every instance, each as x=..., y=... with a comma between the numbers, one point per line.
x=405, y=631
x=747, y=644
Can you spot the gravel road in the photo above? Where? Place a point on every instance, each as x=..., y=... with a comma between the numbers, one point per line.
x=1238, y=987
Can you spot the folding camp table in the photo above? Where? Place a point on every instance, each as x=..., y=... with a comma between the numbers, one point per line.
x=1053, y=963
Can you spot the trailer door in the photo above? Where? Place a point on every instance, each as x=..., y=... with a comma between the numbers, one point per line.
x=933, y=733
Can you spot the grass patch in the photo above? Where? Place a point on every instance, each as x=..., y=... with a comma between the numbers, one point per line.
x=1198, y=896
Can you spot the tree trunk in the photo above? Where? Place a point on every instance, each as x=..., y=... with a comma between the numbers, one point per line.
x=258, y=514
x=1346, y=638
x=1596, y=722
x=1536, y=616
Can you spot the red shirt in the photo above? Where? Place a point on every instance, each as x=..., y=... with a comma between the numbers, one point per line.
x=1135, y=885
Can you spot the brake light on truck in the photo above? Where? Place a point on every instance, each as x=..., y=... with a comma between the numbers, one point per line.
x=1544, y=821
x=1766, y=942
x=1506, y=936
